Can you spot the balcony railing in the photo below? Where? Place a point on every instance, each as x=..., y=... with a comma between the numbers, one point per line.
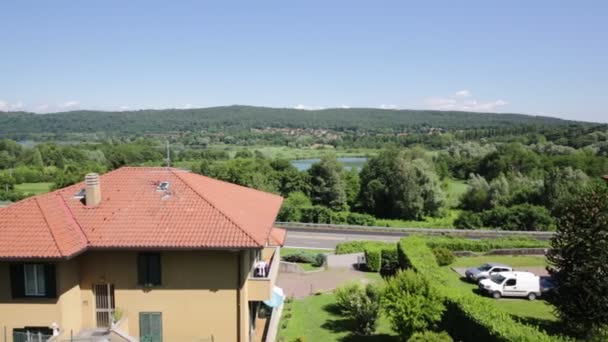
x=262, y=280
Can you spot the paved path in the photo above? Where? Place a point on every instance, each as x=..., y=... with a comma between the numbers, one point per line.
x=343, y=260
x=300, y=285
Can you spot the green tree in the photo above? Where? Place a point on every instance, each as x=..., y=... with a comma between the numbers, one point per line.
x=560, y=184
x=579, y=261
x=291, y=210
x=326, y=184
x=400, y=184
x=430, y=336
x=411, y=303
x=361, y=305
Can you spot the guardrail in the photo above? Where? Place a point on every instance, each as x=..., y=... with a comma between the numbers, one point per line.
x=378, y=230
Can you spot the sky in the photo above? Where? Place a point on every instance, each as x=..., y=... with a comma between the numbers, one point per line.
x=535, y=57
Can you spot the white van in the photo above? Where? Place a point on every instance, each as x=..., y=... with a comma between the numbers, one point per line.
x=512, y=284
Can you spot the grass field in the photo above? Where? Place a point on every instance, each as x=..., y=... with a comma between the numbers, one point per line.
x=455, y=189
x=293, y=153
x=515, y=261
x=33, y=188
x=316, y=319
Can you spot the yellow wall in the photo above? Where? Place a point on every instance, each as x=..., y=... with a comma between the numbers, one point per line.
x=18, y=313
x=201, y=294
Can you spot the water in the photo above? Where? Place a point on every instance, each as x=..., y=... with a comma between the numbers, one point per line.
x=348, y=162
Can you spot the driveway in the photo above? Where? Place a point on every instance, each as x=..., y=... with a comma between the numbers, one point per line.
x=300, y=285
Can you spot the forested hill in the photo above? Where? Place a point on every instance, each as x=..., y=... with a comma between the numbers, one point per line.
x=247, y=117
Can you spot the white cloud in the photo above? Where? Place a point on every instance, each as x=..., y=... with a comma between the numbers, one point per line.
x=187, y=106
x=69, y=104
x=388, y=106
x=304, y=107
x=344, y=107
x=461, y=100
x=11, y=107
x=463, y=93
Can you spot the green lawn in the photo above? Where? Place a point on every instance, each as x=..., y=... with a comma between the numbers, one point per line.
x=455, y=189
x=515, y=261
x=315, y=319
x=33, y=188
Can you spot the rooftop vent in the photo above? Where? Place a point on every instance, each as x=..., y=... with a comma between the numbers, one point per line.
x=163, y=186
x=92, y=190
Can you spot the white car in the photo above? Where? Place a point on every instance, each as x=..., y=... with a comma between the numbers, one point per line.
x=512, y=284
x=484, y=271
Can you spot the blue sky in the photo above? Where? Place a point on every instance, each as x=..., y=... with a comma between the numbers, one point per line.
x=537, y=57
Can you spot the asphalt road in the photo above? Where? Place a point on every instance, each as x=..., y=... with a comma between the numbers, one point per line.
x=323, y=240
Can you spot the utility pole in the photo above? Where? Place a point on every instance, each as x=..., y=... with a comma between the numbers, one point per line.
x=168, y=154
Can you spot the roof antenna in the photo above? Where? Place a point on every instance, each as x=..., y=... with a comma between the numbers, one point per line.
x=168, y=154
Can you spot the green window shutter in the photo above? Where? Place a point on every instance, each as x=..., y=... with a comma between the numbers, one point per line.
x=50, y=281
x=19, y=335
x=150, y=327
x=17, y=281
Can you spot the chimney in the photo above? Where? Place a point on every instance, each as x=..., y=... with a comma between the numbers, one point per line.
x=92, y=190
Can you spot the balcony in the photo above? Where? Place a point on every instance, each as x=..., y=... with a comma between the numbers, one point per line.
x=261, y=282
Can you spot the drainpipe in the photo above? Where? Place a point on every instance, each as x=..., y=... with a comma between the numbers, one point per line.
x=238, y=296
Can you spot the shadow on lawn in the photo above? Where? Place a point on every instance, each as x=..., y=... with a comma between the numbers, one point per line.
x=347, y=325
x=548, y=326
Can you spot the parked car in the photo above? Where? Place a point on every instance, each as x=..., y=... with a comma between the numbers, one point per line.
x=512, y=284
x=484, y=271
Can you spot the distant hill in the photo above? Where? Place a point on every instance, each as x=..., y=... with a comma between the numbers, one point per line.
x=233, y=118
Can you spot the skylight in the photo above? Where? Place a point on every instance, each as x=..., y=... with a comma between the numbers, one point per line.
x=163, y=186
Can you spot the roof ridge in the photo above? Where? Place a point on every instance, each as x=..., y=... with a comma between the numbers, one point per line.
x=216, y=208
x=67, y=209
x=48, y=225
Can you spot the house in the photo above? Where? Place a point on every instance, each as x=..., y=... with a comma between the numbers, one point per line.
x=139, y=253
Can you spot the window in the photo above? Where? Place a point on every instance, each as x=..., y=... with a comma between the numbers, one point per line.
x=148, y=269
x=511, y=282
x=34, y=279
x=150, y=327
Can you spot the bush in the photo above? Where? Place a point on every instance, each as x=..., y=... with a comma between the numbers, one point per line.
x=361, y=305
x=390, y=261
x=483, y=245
x=302, y=257
x=359, y=246
x=411, y=303
x=444, y=256
x=468, y=220
x=360, y=219
x=430, y=336
x=320, y=259
x=373, y=258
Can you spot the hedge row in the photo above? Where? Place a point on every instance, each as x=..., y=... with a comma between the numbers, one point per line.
x=373, y=258
x=483, y=245
x=468, y=317
x=359, y=246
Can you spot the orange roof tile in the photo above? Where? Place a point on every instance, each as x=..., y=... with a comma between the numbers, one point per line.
x=195, y=212
x=277, y=236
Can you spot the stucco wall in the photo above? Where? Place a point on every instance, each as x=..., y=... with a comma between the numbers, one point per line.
x=17, y=313
x=197, y=297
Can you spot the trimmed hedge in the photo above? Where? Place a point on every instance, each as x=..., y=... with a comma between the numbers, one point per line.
x=373, y=258
x=483, y=245
x=359, y=246
x=468, y=316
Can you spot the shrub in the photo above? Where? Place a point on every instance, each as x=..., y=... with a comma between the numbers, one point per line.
x=483, y=245
x=373, y=258
x=444, y=256
x=320, y=259
x=359, y=246
x=390, y=261
x=302, y=257
x=430, y=336
x=468, y=220
x=519, y=217
x=360, y=219
x=361, y=305
x=411, y=303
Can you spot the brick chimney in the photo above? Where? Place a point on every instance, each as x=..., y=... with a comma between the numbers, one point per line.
x=92, y=189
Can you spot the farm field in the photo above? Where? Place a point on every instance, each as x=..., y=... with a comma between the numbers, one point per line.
x=33, y=188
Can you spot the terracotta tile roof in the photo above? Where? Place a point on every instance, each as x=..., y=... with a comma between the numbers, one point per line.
x=277, y=237
x=195, y=212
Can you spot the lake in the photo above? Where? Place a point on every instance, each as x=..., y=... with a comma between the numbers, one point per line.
x=348, y=162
